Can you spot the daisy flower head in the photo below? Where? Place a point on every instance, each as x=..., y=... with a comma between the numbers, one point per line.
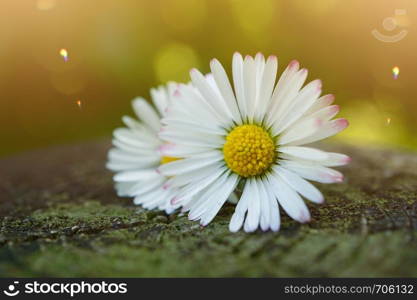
x=135, y=156
x=250, y=136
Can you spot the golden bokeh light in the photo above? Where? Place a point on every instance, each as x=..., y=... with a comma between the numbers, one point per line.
x=254, y=17
x=174, y=61
x=45, y=4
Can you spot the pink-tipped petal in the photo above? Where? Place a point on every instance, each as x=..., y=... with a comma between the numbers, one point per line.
x=319, y=84
x=338, y=178
x=305, y=217
x=341, y=124
x=236, y=55
x=330, y=98
x=303, y=72
x=259, y=55
x=294, y=64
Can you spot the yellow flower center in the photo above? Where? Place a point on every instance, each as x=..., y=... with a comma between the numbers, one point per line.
x=249, y=150
x=168, y=159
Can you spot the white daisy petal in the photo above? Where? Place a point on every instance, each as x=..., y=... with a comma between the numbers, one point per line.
x=275, y=219
x=122, y=188
x=189, y=164
x=133, y=138
x=197, y=186
x=249, y=82
x=202, y=204
x=266, y=87
x=336, y=159
x=305, y=152
x=197, y=128
x=325, y=130
x=225, y=89
x=121, y=156
x=286, y=90
x=211, y=96
x=320, y=103
x=208, y=198
x=136, y=153
x=193, y=108
x=305, y=188
x=149, y=200
x=313, y=172
x=194, y=175
x=314, y=157
x=126, y=165
x=146, y=113
x=290, y=201
x=233, y=199
x=254, y=207
x=191, y=137
x=219, y=199
x=242, y=206
x=161, y=96
x=135, y=175
x=325, y=113
x=183, y=151
x=300, y=131
x=298, y=106
x=238, y=82
x=265, y=206
x=144, y=187
x=132, y=149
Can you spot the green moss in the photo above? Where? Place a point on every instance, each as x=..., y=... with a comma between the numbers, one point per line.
x=366, y=228
x=124, y=241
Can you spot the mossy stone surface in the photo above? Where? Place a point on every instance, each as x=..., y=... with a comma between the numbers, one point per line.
x=59, y=216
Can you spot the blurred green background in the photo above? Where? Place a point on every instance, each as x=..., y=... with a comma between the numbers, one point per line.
x=119, y=49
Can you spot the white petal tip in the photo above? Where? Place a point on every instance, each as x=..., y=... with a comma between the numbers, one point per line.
x=335, y=109
x=272, y=58
x=341, y=124
x=305, y=218
x=294, y=64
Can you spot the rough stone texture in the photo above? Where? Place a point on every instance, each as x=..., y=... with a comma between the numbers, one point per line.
x=59, y=216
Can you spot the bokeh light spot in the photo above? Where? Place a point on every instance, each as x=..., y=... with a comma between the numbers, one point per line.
x=174, y=61
x=253, y=16
x=395, y=72
x=45, y=4
x=64, y=54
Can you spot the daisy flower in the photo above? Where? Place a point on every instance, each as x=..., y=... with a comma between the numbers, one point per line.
x=250, y=136
x=135, y=156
